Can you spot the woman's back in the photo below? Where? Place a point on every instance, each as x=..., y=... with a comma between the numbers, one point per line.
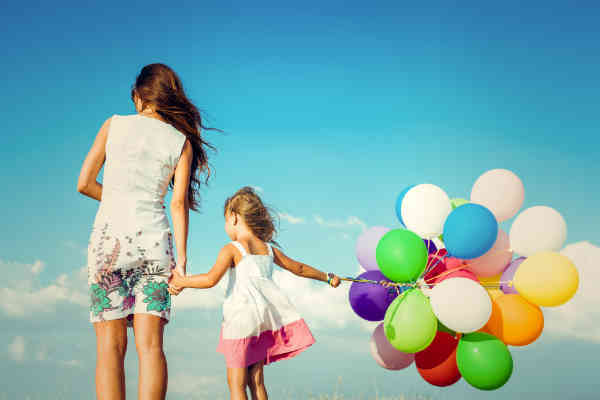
x=131, y=225
x=141, y=156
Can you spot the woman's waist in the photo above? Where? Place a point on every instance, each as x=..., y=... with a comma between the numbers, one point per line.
x=132, y=218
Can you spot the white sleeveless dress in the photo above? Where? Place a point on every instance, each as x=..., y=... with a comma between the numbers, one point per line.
x=130, y=252
x=259, y=321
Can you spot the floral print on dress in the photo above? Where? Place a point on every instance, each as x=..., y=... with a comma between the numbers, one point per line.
x=157, y=296
x=99, y=300
x=121, y=277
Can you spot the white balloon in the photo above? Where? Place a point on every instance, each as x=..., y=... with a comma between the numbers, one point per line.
x=461, y=304
x=424, y=210
x=536, y=229
x=501, y=191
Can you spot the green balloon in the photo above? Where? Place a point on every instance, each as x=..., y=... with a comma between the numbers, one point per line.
x=401, y=255
x=458, y=202
x=409, y=324
x=483, y=360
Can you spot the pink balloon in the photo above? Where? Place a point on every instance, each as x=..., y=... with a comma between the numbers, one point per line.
x=461, y=273
x=495, y=260
x=450, y=263
x=501, y=191
x=453, y=262
x=387, y=355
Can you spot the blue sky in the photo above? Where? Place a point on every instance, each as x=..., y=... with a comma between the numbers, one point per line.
x=331, y=109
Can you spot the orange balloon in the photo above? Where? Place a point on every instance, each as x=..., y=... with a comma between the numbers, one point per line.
x=514, y=320
x=494, y=293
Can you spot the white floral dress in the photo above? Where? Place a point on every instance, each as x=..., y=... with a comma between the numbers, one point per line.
x=130, y=252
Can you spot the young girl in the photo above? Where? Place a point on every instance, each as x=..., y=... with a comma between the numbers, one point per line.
x=260, y=325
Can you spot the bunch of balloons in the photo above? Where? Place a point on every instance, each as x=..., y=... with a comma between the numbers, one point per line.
x=453, y=289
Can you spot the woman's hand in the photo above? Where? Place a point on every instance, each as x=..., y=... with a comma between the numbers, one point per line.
x=176, y=282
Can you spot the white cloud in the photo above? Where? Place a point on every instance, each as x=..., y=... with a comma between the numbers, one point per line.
x=258, y=189
x=21, y=294
x=580, y=316
x=16, y=348
x=184, y=383
x=291, y=219
x=320, y=305
x=339, y=224
x=37, y=267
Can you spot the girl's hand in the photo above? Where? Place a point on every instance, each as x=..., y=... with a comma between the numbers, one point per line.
x=335, y=281
x=174, y=290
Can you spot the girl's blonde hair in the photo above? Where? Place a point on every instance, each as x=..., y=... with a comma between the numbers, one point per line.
x=246, y=203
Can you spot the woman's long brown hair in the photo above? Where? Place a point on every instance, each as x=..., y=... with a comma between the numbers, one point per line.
x=159, y=86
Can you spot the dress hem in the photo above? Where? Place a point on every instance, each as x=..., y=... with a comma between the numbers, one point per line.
x=270, y=346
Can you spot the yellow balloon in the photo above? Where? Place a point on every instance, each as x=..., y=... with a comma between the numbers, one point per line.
x=547, y=279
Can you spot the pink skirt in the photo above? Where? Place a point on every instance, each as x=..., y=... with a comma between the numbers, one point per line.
x=270, y=346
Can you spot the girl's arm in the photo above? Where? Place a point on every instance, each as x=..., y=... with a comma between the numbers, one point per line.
x=209, y=279
x=180, y=207
x=301, y=269
x=87, y=183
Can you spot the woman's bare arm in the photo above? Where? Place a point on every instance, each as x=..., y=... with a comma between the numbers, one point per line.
x=87, y=184
x=180, y=207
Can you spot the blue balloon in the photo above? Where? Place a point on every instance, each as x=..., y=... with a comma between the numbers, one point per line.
x=470, y=231
x=399, y=203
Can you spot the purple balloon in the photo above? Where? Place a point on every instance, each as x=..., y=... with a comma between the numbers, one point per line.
x=431, y=247
x=508, y=275
x=369, y=300
x=366, y=246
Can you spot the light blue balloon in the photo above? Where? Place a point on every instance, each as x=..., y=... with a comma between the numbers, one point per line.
x=470, y=231
x=399, y=203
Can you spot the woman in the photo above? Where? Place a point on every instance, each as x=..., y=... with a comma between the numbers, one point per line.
x=130, y=254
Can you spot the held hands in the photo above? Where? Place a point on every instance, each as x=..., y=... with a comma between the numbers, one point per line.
x=176, y=281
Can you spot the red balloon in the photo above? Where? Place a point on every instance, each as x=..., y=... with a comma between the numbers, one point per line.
x=438, y=264
x=437, y=363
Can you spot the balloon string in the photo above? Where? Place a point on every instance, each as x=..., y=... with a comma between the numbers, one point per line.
x=431, y=266
x=467, y=264
x=439, y=259
x=388, y=283
x=397, y=285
